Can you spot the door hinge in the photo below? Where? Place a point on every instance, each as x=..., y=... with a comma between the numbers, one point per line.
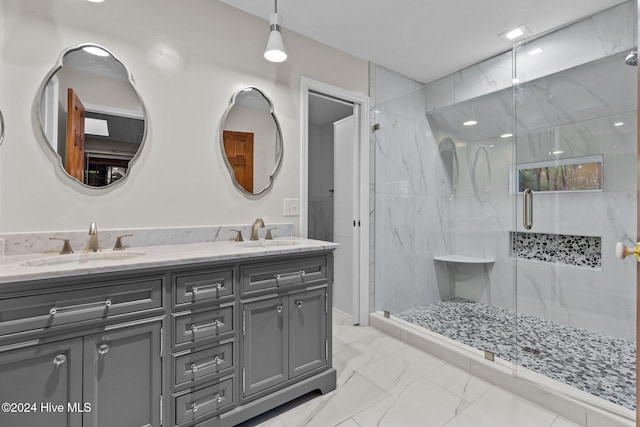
x=244, y=380
x=244, y=325
x=376, y=127
x=160, y=409
x=161, y=343
x=326, y=349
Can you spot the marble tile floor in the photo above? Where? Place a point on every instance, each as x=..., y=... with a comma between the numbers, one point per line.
x=591, y=362
x=385, y=382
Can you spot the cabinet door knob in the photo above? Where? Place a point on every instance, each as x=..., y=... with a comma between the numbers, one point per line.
x=194, y=407
x=279, y=308
x=59, y=359
x=194, y=367
x=299, y=304
x=194, y=328
x=103, y=349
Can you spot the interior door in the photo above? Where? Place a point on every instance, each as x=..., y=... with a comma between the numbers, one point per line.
x=239, y=149
x=74, y=155
x=346, y=198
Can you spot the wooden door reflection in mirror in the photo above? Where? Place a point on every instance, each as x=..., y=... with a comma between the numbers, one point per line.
x=239, y=149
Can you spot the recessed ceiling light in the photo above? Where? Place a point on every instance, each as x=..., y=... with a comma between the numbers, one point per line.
x=536, y=51
x=470, y=123
x=619, y=124
x=506, y=135
x=95, y=50
x=514, y=33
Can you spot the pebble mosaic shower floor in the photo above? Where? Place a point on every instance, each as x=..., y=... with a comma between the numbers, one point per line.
x=595, y=363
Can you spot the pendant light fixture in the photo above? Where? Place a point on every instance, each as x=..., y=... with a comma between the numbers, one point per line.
x=275, y=45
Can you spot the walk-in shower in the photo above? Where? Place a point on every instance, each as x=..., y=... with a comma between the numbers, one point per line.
x=500, y=194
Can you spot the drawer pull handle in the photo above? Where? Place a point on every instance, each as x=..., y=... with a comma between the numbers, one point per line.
x=59, y=359
x=300, y=273
x=103, y=349
x=218, y=397
x=217, y=360
x=196, y=289
x=80, y=307
x=279, y=308
x=299, y=304
x=194, y=407
x=219, y=323
x=194, y=328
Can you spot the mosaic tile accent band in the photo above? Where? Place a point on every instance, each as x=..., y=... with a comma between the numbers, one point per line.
x=579, y=251
x=591, y=362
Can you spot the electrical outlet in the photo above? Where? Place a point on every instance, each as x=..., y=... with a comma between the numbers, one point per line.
x=291, y=207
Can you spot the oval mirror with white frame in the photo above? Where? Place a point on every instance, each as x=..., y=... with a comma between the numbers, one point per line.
x=92, y=116
x=251, y=141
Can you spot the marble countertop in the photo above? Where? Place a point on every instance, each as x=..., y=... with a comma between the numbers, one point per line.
x=16, y=268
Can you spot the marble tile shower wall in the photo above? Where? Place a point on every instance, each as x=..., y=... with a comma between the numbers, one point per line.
x=411, y=216
x=415, y=218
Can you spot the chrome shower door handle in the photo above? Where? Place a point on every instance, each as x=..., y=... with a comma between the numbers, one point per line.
x=527, y=208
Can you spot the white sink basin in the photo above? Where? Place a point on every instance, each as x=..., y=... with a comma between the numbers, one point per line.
x=82, y=258
x=267, y=243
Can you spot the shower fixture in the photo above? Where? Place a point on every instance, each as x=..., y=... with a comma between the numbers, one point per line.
x=632, y=58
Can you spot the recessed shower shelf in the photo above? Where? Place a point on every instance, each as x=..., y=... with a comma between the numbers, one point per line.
x=463, y=259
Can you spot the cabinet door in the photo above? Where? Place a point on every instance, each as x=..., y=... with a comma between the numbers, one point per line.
x=308, y=331
x=48, y=376
x=265, y=339
x=122, y=377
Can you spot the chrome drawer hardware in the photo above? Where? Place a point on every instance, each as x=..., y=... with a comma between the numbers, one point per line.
x=80, y=307
x=103, y=349
x=216, y=285
x=279, y=308
x=217, y=360
x=194, y=407
x=300, y=273
x=218, y=397
x=59, y=359
x=299, y=304
x=216, y=324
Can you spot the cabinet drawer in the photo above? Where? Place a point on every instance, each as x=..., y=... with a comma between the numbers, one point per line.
x=197, y=326
x=202, y=363
x=270, y=276
x=204, y=286
x=204, y=401
x=62, y=308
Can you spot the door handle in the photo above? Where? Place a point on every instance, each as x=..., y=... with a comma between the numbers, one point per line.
x=527, y=208
x=622, y=251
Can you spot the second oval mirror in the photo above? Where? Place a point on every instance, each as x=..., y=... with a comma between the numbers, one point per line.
x=251, y=140
x=92, y=115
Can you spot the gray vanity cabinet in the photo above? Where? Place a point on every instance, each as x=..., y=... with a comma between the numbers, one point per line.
x=42, y=374
x=265, y=344
x=122, y=377
x=308, y=331
x=283, y=337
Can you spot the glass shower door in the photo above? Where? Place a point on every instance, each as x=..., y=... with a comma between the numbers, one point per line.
x=574, y=186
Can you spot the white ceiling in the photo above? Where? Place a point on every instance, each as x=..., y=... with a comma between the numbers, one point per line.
x=421, y=39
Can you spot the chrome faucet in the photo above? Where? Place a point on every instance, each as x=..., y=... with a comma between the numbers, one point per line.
x=93, y=245
x=254, y=230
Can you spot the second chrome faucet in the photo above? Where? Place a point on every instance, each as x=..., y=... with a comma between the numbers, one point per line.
x=94, y=244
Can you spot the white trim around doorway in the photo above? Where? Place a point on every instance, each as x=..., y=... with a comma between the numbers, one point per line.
x=307, y=85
